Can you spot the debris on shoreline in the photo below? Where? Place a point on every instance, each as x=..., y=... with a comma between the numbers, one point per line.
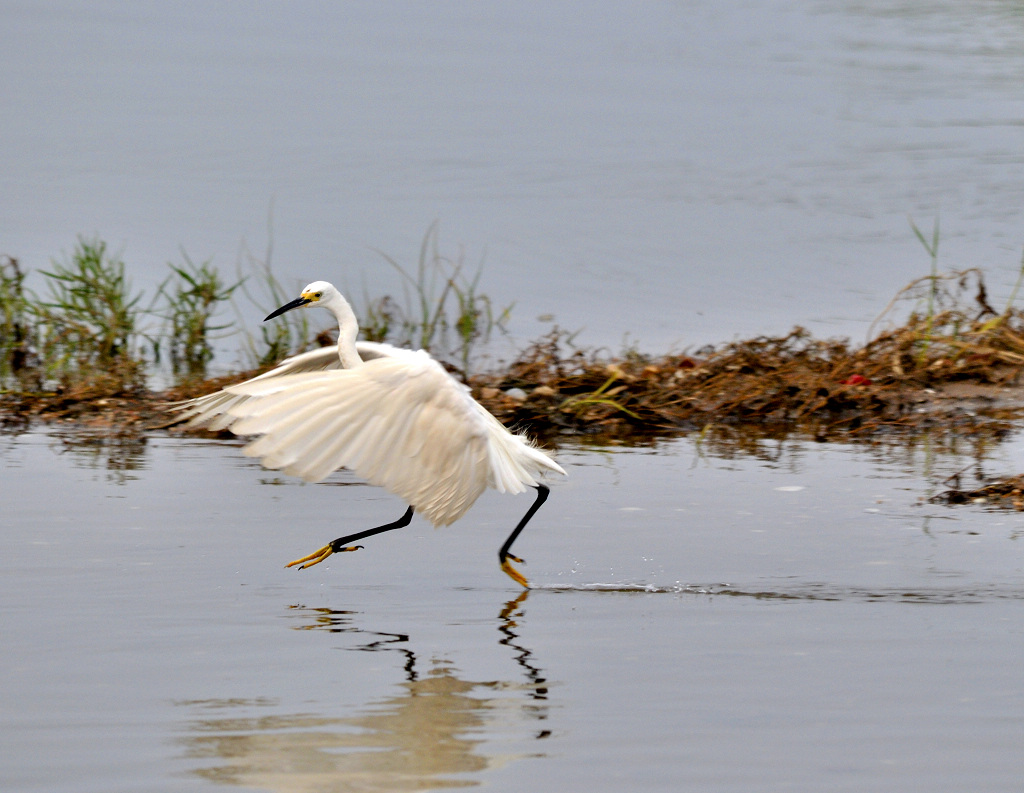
x=793, y=383
x=790, y=383
x=955, y=368
x=1006, y=493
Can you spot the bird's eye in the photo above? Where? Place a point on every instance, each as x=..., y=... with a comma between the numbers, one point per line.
x=318, y=295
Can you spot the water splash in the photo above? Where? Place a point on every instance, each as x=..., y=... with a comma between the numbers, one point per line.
x=805, y=592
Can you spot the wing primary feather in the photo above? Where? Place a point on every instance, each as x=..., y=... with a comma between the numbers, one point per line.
x=398, y=420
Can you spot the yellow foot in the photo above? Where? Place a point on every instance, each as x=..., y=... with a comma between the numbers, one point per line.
x=512, y=573
x=318, y=556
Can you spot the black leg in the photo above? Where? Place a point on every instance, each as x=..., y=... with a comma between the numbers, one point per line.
x=503, y=554
x=341, y=544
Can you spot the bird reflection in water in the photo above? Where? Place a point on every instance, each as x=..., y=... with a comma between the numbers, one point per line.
x=428, y=735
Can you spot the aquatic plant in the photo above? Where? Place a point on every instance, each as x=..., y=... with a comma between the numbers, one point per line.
x=91, y=331
x=443, y=310
x=191, y=296
x=276, y=340
x=87, y=330
x=933, y=252
x=15, y=321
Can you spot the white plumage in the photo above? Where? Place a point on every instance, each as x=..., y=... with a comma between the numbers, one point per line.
x=394, y=417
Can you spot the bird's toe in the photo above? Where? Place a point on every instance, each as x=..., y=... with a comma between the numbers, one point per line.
x=512, y=573
x=311, y=559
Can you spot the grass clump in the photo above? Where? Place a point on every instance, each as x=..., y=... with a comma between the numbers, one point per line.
x=950, y=337
x=15, y=322
x=89, y=334
x=952, y=342
x=291, y=332
x=87, y=329
x=191, y=296
x=442, y=310
x=940, y=338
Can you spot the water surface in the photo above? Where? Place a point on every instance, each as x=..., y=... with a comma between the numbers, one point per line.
x=802, y=618
x=672, y=175
x=686, y=172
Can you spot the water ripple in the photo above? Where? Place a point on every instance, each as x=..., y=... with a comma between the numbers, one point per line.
x=808, y=592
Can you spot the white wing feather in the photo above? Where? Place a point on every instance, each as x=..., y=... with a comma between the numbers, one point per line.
x=213, y=410
x=400, y=422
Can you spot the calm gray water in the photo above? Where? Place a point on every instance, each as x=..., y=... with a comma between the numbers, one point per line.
x=675, y=174
x=671, y=174
x=802, y=620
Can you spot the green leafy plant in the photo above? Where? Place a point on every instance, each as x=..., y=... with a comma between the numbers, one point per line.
x=291, y=332
x=88, y=326
x=442, y=310
x=89, y=331
x=191, y=296
x=15, y=322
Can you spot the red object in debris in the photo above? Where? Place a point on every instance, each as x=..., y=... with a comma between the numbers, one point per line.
x=856, y=379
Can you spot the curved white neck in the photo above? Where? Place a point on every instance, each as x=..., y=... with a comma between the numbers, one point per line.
x=348, y=329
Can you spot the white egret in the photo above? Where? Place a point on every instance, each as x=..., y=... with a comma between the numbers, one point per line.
x=395, y=417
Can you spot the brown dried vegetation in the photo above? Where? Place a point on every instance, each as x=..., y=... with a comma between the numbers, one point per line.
x=1005, y=493
x=956, y=368
x=959, y=368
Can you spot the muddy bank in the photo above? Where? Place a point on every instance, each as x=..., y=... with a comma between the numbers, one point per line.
x=778, y=384
x=952, y=366
x=766, y=386
x=735, y=397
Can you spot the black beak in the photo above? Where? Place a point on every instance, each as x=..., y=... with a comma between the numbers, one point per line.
x=296, y=303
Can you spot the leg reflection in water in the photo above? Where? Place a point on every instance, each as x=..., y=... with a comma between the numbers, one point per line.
x=537, y=685
x=435, y=726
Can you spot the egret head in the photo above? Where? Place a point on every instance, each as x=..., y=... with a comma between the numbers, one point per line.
x=318, y=292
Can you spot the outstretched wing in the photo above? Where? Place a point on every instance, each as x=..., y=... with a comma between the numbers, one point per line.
x=400, y=422
x=212, y=411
